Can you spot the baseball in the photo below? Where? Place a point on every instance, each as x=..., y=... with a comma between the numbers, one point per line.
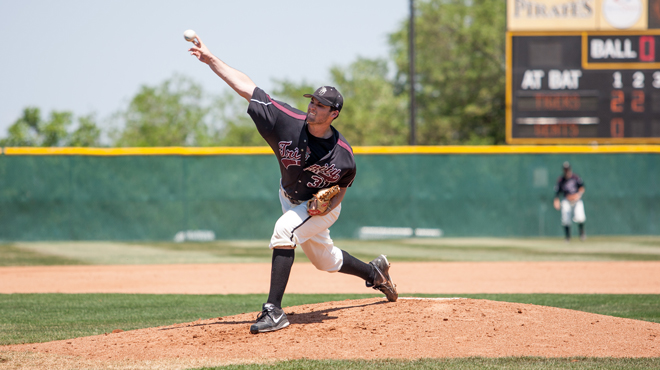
x=189, y=35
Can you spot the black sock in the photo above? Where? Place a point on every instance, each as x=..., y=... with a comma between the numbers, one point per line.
x=279, y=274
x=581, y=228
x=354, y=266
x=567, y=231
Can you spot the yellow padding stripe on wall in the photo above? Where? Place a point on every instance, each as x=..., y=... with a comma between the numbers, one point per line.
x=374, y=150
x=507, y=149
x=139, y=151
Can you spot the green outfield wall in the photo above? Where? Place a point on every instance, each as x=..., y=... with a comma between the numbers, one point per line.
x=69, y=194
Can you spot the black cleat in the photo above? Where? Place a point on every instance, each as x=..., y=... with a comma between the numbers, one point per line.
x=382, y=281
x=271, y=318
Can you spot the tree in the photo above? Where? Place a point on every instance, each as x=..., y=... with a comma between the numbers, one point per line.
x=460, y=63
x=171, y=114
x=32, y=130
x=373, y=113
x=87, y=134
x=25, y=130
x=232, y=126
x=292, y=93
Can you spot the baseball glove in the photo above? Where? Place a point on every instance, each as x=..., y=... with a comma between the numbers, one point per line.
x=321, y=200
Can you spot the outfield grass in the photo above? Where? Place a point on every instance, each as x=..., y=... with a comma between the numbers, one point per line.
x=633, y=248
x=12, y=255
x=31, y=318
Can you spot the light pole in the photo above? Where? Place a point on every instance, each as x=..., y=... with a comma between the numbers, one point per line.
x=411, y=72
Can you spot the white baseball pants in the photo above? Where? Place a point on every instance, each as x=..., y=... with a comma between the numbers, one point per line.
x=311, y=233
x=574, y=210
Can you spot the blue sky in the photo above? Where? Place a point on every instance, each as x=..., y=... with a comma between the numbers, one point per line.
x=92, y=56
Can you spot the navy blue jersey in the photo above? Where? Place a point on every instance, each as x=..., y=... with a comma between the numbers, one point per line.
x=569, y=185
x=285, y=129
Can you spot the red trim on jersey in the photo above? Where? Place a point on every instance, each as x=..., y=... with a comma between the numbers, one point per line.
x=287, y=111
x=345, y=146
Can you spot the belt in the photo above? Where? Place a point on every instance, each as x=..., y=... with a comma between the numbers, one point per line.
x=293, y=201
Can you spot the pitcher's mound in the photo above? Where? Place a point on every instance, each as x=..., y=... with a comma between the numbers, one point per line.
x=370, y=329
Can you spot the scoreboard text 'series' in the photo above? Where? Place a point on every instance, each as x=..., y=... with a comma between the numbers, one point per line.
x=583, y=71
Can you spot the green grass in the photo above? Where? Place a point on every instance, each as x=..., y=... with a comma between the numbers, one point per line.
x=31, y=318
x=11, y=255
x=521, y=363
x=645, y=248
x=632, y=248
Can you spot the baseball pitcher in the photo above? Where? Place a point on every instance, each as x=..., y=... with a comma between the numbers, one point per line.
x=317, y=168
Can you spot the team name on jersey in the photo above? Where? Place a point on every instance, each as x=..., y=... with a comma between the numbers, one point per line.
x=571, y=186
x=289, y=157
x=323, y=175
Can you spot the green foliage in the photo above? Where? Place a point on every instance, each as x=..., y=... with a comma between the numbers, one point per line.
x=32, y=130
x=24, y=132
x=170, y=114
x=292, y=93
x=373, y=114
x=460, y=66
x=231, y=125
x=237, y=127
x=54, y=131
x=87, y=134
x=179, y=113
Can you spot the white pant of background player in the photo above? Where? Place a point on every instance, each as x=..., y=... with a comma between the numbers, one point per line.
x=296, y=227
x=574, y=210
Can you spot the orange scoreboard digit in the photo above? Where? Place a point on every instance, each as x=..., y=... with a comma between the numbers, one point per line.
x=600, y=85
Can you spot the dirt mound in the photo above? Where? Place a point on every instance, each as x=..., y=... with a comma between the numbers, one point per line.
x=360, y=329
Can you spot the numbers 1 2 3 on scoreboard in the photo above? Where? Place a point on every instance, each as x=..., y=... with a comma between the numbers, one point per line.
x=583, y=87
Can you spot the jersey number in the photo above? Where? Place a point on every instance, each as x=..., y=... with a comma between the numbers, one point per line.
x=318, y=183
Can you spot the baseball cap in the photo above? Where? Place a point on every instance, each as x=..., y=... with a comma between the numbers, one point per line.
x=566, y=165
x=329, y=96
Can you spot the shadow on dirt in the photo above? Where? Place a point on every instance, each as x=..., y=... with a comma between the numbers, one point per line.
x=294, y=318
x=321, y=315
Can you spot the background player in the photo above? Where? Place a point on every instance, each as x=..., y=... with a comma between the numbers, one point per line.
x=572, y=186
x=312, y=155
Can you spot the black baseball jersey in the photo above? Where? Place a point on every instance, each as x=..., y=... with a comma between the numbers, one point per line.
x=285, y=129
x=568, y=185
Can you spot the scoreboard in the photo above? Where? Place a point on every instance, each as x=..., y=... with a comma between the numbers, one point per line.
x=583, y=87
x=598, y=85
